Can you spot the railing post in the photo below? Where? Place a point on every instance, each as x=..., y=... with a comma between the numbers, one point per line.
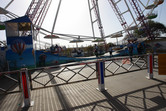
x=100, y=72
x=150, y=66
x=25, y=88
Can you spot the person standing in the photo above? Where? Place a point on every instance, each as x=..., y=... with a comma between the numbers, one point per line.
x=42, y=60
x=139, y=48
x=52, y=49
x=110, y=50
x=130, y=49
x=56, y=48
x=79, y=52
x=96, y=49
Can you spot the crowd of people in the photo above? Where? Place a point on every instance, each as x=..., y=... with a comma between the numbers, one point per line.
x=78, y=52
x=55, y=49
x=132, y=47
x=98, y=50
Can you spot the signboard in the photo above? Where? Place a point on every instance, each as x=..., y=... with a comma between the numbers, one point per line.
x=162, y=64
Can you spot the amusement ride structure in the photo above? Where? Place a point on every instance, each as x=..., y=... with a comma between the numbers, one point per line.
x=37, y=11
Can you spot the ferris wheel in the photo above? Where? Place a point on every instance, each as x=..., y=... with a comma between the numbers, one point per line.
x=136, y=9
x=38, y=10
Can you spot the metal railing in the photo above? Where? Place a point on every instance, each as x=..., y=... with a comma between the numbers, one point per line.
x=71, y=73
x=83, y=71
x=123, y=65
x=10, y=82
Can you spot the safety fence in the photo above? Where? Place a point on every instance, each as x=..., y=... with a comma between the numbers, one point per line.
x=10, y=82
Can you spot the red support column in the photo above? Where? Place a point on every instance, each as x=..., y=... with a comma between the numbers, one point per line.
x=25, y=87
x=150, y=66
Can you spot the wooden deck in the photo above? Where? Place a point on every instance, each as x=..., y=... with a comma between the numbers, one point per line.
x=126, y=92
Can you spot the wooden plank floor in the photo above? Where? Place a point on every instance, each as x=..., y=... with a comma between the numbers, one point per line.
x=126, y=92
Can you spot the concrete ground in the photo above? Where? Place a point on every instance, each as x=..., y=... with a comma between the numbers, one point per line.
x=125, y=92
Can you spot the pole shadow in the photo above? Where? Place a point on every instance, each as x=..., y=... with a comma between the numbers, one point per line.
x=115, y=103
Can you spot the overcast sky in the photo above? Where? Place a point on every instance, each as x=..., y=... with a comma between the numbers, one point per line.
x=74, y=18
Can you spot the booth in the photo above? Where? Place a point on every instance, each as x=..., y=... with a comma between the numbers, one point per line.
x=20, y=51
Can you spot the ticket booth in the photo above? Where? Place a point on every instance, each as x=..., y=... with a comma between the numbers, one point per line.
x=20, y=51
